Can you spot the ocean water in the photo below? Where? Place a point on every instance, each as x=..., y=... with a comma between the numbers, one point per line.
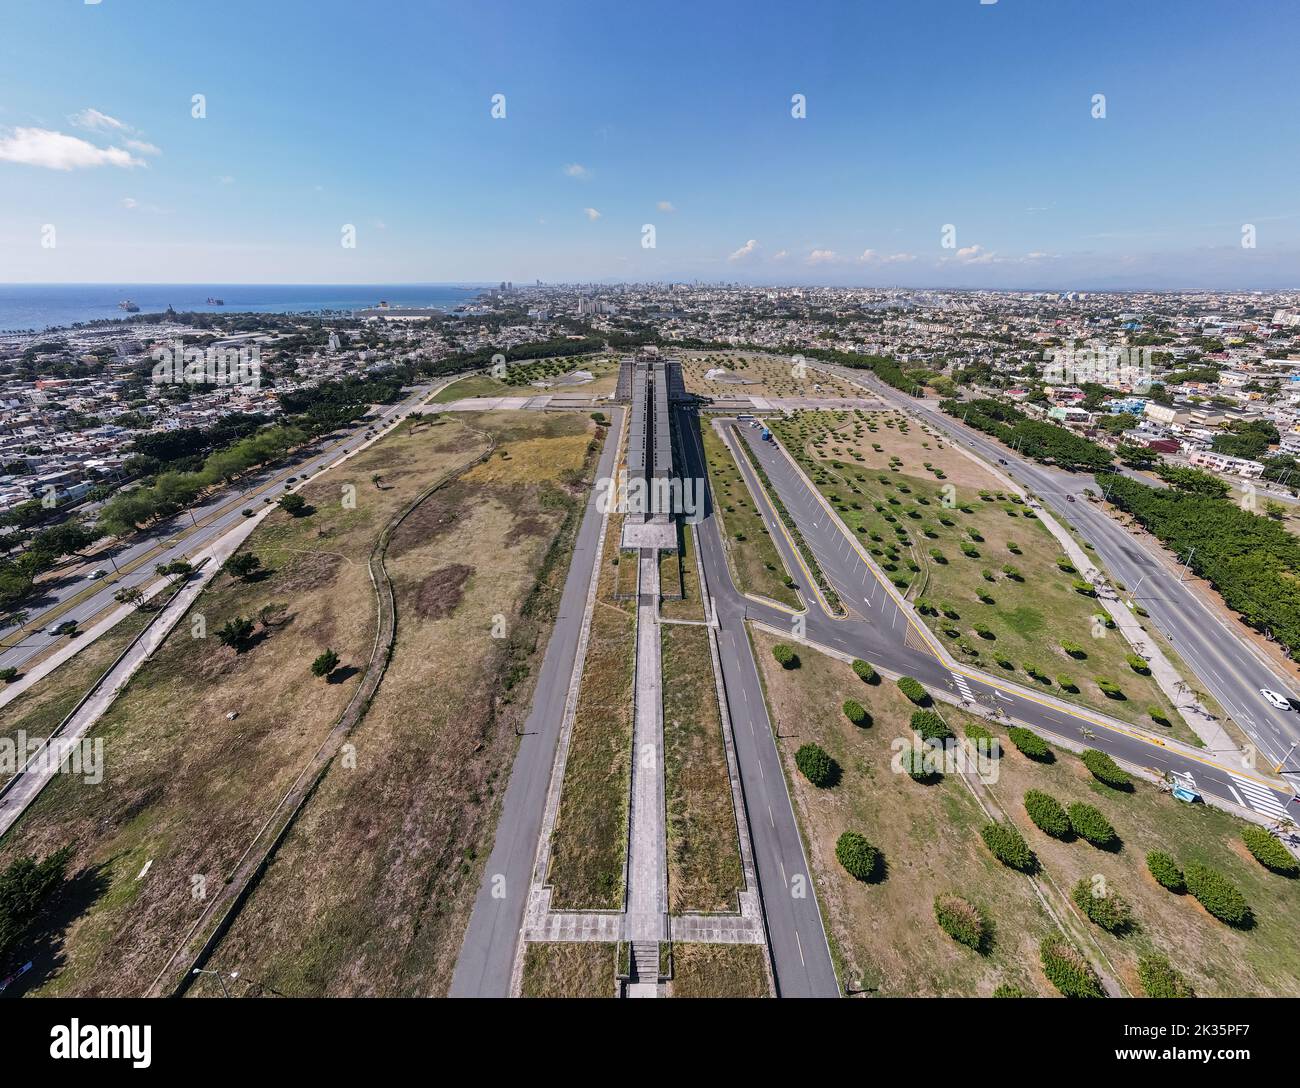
x=57, y=305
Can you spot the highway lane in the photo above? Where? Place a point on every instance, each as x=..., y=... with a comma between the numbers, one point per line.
x=483, y=968
x=1224, y=663
x=801, y=959
x=182, y=535
x=877, y=631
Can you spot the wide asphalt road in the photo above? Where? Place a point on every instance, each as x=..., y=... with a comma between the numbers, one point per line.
x=1226, y=665
x=486, y=959
x=180, y=536
x=801, y=960
x=877, y=630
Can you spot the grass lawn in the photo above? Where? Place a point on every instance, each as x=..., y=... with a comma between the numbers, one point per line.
x=762, y=376
x=704, y=871
x=679, y=571
x=520, y=376
x=998, y=620
x=590, y=838
x=569, y=969
x=719, y=970
x=402, y=833
x=755, y=562
x=883, y=933
x=39, y=709
x=205, y=740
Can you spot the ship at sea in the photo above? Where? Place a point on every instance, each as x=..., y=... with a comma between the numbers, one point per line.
x=216, y=301
x=129, y=306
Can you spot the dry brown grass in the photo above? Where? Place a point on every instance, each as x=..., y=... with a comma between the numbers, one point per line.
x=186, y=789
x=569, y=969
x=764, y=376
x=704, y=871
x=719, y=970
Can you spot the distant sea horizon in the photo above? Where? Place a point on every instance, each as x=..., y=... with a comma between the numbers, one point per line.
x=45, y=306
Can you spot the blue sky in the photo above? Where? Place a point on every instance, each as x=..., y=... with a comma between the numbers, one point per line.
x=920, y=113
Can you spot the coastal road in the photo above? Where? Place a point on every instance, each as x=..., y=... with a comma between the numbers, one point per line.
x=178, y=537
x=487, y=953
x=1224, y=662
x=879, y=630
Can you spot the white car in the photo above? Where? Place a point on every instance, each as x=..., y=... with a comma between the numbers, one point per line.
x=1276, y=698
x=96, y=575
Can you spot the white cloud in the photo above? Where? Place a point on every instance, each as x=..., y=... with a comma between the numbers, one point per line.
x=976, y=254
x=101, y=122
x=747, y=250
x=821, y=256
x=780, y=255
x=665, y=206
x=577, y=170
x=870, y=256
x=591, y=214
x=130, y=202
x=58, y=151
x=143, y=147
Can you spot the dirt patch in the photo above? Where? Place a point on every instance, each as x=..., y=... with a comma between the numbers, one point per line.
x=438, y=595
x=309, y=572
x=434, y=518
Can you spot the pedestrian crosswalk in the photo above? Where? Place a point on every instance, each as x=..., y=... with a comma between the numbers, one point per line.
x=963, y=688
x=1258, y=796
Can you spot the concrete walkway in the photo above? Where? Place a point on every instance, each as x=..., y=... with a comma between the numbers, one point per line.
x=647, y=876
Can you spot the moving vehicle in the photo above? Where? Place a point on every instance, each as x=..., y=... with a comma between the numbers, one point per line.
x=1069, y=498
x=96, y=574
x=1276, y=698
x=63, y=627
x=1002, y=460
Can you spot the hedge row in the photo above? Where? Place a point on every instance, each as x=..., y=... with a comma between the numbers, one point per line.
x=1089, y=823
x=930, y=725
x=1029, y=743
x=1105, y=908
x=911, y=687
x=1269, y=851
x=1105, y=770
x=1166, y=871
x=1217, y=894
x=1009, y=847
x=1159, y=979
x=1047, y=814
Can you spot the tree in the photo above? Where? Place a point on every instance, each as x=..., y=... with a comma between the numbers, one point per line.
x=785, y=656
x=1068, y=969
x=857, y=855
x=292, y=504
x=1217, y=894
x=236, y=632
x=816, y=765
x=911, y=687
x=961, y=920
x=325, y=664
x=1047, y=814
x=1089, y=823
x=132, y=595
x=1103, y=907
x=26, y=885
x=1104, y=769
x=1135, y=456
x=241, y=565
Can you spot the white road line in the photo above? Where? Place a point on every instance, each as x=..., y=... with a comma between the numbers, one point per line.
x=800, y=944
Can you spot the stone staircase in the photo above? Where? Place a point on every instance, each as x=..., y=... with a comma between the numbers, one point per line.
x=645, y=962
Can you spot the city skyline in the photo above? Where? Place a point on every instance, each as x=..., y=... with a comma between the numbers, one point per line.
x=979, y=117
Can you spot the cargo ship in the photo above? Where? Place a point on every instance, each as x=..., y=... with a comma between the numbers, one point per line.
x=129, y=306
x=216, y=301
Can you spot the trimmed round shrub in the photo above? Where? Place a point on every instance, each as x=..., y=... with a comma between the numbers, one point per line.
x=930, y=725
x=1030, y=743
x=911, y=687
x=1269, y=851
x=815, y=765
x=1137, y=663
x=1105, y=770
x=1086, y=588
x=1110, y=910
x=1067, y=683
x=865, y=672
x=1068, y=969
x=785, y=656
x=1090, y=824
x=858, y=856
x=1109, y=688
x=985, y=742
x=918, y=764
x=1008, y=989
x=1158, y=716
x=1159, y=979
x=1009, y=847
x=1048, y=814
x=856, y=712
x=1217, y=894
x=1166, y=872
x=961, y=920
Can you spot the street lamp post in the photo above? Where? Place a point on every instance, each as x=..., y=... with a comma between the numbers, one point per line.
x=220, y=978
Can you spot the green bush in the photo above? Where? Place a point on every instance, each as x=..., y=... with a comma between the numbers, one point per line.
x=1047, y=814
x=1008, y=989
x=1009, y=847
x=856, y=712
x=1073, y=649
x=1030, y=743
x=8, y=674
x=785, y=656
x=1080, y=586
x=1159, y=979
x=1105, y=770
x=1110, y=910
x=918, y=764
x=911, y=687
x=1158, y=716
x=1067, y=683
x=857, y=855
x=1068, y=969
x=1166, y=871
x=984, y=741
x=1137, y=663
x=1090, y=824
x=1217, y=894
x=865, y=672
x=1109, y=688
x=961, y=920
x=1269, y=851
x=930, y=725
x=816, y=765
